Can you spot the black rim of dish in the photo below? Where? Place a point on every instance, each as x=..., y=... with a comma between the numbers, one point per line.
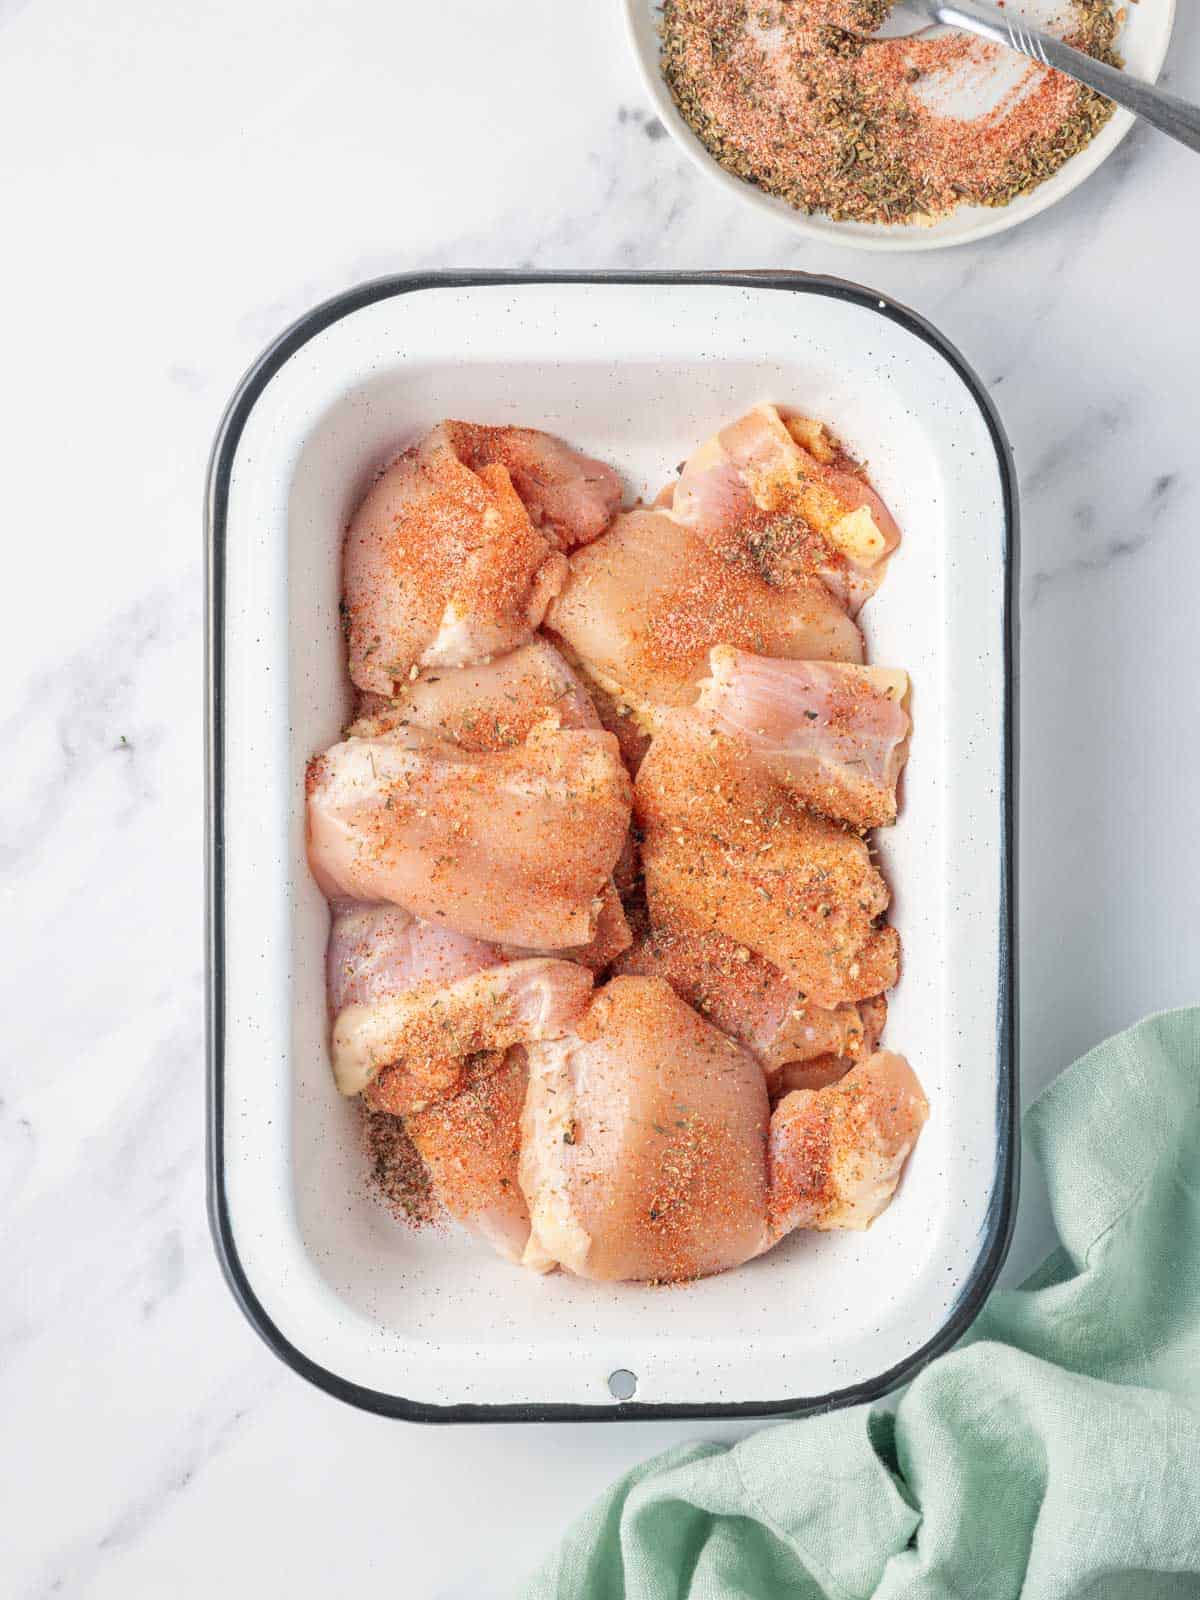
x=1001, y=1210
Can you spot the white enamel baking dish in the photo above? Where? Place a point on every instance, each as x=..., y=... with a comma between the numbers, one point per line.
x=636, y=369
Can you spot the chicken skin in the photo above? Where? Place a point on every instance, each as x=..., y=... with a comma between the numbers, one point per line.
x=777, y=494
x=644, y=605
x=515, y=846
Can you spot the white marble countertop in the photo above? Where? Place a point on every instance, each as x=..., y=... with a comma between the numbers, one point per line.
x=179, y=183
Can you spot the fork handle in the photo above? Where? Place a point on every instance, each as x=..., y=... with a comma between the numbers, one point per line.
x=1165, y=111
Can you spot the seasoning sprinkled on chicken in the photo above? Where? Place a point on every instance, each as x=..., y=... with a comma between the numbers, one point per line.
x=603, y=895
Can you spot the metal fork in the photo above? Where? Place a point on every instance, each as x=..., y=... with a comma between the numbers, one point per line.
x=1164, y=111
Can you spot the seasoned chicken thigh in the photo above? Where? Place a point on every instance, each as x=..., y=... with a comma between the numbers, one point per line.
x=515, y=846
x=471, y=1146
x=420, y=994
x=835, y=1156
x=412, y=1003
x=376, y=952
x=445, y=1023
x=643, y=1142
x=612, y=935
x=751, y=1000
x=495, y=706
x=569, y=496
x=647, y=1152
x=834, y=736
x=491, y=705
x=725, y=848
x=441, y=566
x=645, y=604
x=779, y=496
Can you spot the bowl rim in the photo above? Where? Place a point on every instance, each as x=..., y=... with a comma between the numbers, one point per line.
x=883, y=240
x=1000, y=1218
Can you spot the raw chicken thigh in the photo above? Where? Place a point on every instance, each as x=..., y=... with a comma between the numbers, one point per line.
x=751, y=1000
x=422, y=1017
x=779, y=495
x=457, y=548
x=834, y=736
x=648, y=1151
x=645, y=604
x=643, y=1143
x=725, y=848
x=495, y=706
x=516, y=846
x=491, y=1010
x=800, y=904
x=471, y=1145
x=569, y=496
x=441, y=567
x=491, y=705
x=411, y=1002
x=835, y=1156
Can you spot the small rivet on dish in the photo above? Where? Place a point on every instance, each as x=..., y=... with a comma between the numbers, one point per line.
x=622, y=1384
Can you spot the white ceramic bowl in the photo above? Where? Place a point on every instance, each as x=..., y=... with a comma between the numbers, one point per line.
x=1144, y=42
x=637, y=370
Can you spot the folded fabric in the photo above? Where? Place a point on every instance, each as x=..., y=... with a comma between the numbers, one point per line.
x=1055, y=1453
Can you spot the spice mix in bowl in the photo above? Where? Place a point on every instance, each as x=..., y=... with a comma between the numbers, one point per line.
x=797, y=98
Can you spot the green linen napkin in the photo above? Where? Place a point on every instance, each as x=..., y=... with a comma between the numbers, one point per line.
x=1055, y=1453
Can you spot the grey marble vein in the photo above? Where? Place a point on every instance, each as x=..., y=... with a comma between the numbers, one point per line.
x=82, y=713
x=1153, y=513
